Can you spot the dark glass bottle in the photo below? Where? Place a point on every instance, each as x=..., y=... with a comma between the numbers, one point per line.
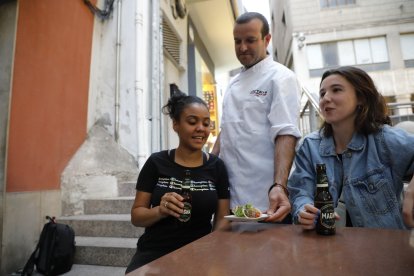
x=325, y=224
x=186, y=194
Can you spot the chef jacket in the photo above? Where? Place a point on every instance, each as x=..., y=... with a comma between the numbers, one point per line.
x=260, y=103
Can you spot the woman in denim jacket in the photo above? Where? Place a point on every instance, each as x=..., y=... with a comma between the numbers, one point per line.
x=366, y=159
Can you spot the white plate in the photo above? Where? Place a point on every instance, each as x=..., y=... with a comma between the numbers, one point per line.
x=234, y=218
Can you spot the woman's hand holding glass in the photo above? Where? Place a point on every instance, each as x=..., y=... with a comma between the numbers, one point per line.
x=307, y=217
x=171, y=205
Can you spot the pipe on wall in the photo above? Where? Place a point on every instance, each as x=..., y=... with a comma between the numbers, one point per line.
x=156, y=76
x=118, y=68
x=140, y=86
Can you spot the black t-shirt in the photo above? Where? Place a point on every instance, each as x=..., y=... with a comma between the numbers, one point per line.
x=161, y=175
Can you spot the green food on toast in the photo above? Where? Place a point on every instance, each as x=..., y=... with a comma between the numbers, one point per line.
x=246, y=211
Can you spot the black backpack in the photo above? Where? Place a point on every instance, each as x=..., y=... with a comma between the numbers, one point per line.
x=55, y=250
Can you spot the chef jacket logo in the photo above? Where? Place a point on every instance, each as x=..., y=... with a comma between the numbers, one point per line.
x=258, y=93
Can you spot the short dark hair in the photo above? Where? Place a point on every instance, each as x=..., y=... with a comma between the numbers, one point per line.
x=178, y=102
x=372, y=113
x=249, y=16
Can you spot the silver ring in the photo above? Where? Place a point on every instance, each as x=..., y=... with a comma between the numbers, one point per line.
x=165, y=204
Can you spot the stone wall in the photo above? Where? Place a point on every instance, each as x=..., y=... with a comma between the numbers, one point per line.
x=95, y=170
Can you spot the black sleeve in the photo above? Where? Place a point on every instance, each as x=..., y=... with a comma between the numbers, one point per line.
x=223, y=191
x=148, y=177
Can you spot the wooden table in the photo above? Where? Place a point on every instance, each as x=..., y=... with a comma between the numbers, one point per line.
x=275, y=249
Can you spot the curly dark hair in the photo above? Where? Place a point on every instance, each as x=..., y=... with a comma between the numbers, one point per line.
x=178, y=102
x=372, y=113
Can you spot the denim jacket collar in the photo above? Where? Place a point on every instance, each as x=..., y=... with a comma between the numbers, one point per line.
x=327, y=145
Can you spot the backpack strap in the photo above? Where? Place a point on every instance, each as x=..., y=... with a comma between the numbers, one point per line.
x=29, y=266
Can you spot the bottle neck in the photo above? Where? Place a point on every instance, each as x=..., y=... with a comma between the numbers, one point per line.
x=322, y=185
x=187, y=181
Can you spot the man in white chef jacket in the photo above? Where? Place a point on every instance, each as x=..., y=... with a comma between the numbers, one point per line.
x=259, y=125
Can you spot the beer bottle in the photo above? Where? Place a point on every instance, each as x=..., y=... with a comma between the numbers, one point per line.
x=186, y=194
x=325, y=224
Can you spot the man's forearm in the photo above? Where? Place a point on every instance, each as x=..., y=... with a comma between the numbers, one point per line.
x=216, y=147
x=284, y=155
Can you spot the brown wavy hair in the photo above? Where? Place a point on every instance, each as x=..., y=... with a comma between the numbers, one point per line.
x=372, y=112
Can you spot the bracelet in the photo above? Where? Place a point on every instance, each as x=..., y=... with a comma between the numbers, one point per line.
x=281, y=186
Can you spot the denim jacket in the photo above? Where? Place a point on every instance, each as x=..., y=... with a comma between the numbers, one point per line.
x=370, y=173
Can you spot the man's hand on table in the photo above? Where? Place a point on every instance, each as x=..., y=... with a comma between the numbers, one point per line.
x=279, y=205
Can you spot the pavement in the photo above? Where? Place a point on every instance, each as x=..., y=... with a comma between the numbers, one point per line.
x=88, y=270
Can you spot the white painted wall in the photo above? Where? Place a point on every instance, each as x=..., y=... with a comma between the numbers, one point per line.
x=173, y=73
x=136, y=71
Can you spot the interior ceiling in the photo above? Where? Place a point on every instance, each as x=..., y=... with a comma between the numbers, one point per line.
x=214, y=22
